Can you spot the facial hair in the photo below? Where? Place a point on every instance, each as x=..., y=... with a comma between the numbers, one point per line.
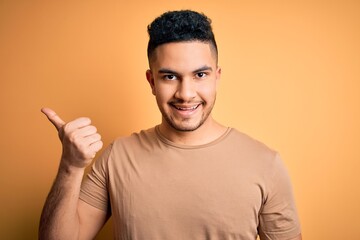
x=178, y=127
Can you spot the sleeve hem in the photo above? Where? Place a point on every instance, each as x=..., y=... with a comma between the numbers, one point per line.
x=89, y=200
x=290, y=234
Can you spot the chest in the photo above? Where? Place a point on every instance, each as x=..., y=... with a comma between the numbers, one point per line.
x=191, y=194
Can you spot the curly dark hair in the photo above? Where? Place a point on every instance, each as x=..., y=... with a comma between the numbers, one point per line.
x=179, y=26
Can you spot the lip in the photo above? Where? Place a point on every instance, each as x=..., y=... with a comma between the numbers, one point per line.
x=185, y=110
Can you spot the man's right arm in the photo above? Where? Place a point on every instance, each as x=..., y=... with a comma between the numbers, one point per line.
x=64, y=215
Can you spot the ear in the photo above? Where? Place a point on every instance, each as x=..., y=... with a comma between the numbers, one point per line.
x=150, y=79
x=218, y=75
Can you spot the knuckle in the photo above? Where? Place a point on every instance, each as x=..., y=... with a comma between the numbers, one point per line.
x=98, y=145
x=89, y=154
x=66, y=127
x=72, y=136
x=85, y=120
x=97, y=136
x=91, y=130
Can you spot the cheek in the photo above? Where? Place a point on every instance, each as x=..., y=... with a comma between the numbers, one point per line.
x=162, y=94
x=207, y=91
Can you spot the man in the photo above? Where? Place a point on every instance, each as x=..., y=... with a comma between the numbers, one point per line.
x=189, y=177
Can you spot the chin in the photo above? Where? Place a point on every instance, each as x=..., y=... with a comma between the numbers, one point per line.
x=185, y=127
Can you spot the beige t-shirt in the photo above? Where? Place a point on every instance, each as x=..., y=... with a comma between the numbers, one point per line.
x=232, y=188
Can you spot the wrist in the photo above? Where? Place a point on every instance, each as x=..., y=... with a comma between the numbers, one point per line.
x=68, y=169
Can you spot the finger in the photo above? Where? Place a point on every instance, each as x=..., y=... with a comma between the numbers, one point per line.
x=96, y=146
x=53, y=118
x=85, y=131
x=77, y=124
x=93, y=149
x=87, y=141
x=92, y=138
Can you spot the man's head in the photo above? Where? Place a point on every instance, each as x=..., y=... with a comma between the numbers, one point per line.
x=180, y=26
x=183, y=70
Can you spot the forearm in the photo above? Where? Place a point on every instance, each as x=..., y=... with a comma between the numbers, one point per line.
x=59, y=218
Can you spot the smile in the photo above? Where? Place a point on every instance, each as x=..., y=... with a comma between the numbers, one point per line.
x=183, y=108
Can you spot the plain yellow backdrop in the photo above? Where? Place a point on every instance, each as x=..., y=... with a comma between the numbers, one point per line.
x=291, y=78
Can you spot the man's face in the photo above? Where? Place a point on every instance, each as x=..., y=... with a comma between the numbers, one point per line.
x=183, y=78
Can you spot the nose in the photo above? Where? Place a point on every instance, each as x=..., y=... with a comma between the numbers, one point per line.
x=186, y=90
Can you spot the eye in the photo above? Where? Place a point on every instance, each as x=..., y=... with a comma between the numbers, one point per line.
x=201, y=74
x=169, y=77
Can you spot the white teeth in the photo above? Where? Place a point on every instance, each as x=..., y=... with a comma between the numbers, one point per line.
x=187, y=109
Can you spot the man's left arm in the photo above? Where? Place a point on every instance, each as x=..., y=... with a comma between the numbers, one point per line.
x=278, y=218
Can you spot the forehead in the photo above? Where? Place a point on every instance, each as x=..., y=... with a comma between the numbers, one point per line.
x=183, y=55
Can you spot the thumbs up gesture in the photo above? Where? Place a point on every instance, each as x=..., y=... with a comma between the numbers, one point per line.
x=79, y=139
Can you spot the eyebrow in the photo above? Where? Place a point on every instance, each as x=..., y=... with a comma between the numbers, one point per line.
x=169, y=71
x=165, y=70
x=204, y=68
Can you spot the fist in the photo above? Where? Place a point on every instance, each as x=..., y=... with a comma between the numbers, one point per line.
x=79, y=139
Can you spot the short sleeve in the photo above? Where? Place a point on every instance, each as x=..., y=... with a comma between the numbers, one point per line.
x=94, y=188
x=278, y=218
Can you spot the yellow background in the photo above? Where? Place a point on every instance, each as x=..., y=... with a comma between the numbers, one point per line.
x=291, y=78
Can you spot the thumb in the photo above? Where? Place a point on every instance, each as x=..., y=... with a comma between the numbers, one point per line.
x=53, y=118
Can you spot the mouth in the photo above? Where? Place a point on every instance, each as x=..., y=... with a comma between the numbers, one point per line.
x=186, y=107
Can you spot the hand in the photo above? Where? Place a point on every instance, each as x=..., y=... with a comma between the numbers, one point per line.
x=79, y=139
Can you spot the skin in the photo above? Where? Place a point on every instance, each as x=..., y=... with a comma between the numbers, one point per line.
x=64, y=216
x=183, y=78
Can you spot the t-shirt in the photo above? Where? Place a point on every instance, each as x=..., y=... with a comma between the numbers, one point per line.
x=232, y=188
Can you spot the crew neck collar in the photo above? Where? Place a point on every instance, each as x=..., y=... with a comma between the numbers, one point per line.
x=184, y=146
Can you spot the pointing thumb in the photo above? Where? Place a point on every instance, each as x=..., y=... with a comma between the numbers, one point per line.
x=53, y=118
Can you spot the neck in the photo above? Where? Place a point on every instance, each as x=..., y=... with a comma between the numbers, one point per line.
x=209, y=131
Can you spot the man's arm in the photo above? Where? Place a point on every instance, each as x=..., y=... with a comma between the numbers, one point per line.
x=64, y=216
x=278, y=218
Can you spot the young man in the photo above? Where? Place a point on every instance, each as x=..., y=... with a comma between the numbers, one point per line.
x=187, y=178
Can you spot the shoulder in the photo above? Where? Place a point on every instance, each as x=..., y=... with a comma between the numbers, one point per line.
x=135, y=136
x=255, y=153
x=142, y=139
x=249, y=145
